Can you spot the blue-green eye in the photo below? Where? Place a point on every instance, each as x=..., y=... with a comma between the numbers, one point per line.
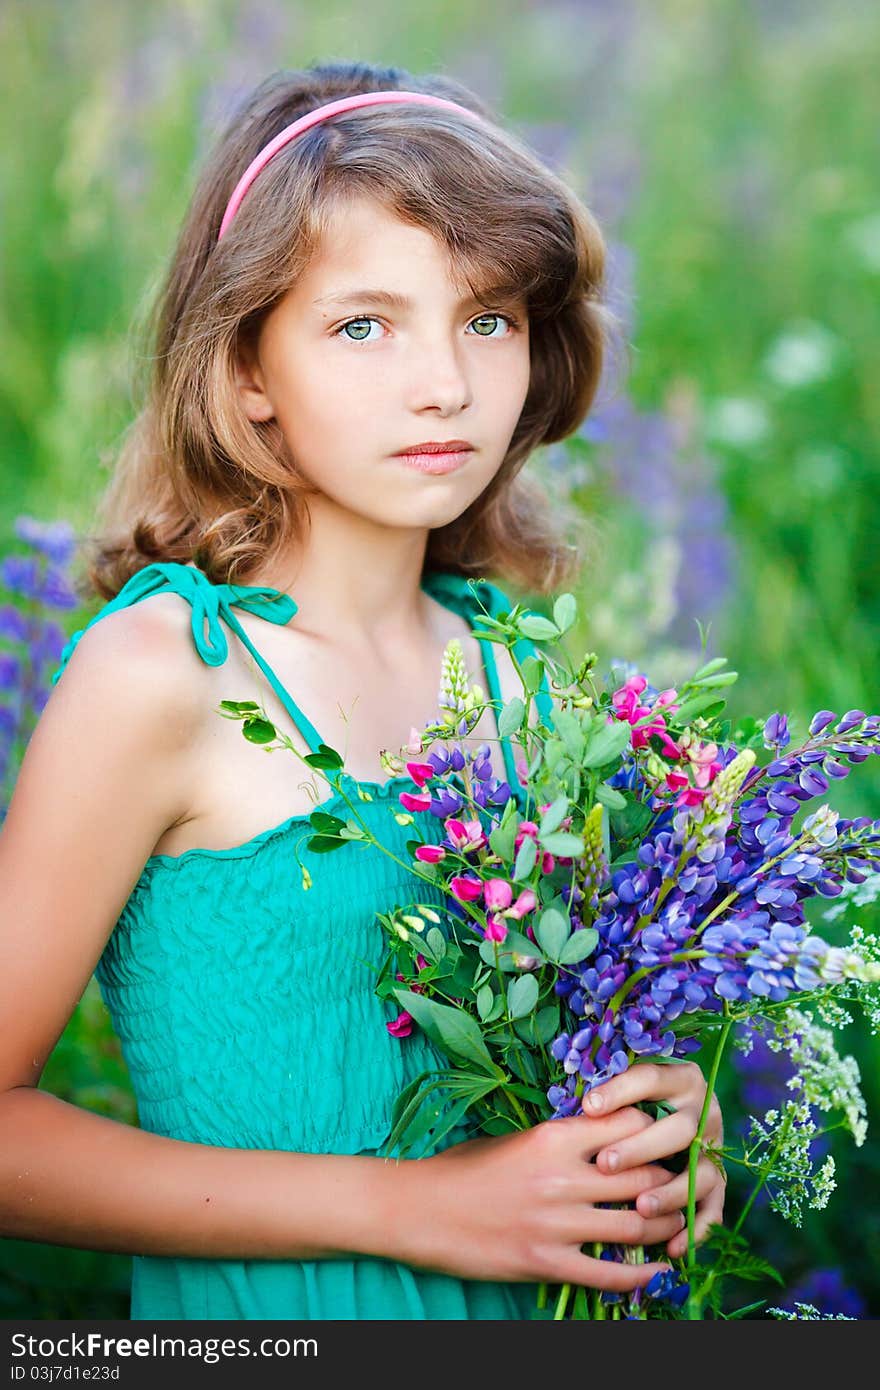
x=362, y=319
x=496, y=318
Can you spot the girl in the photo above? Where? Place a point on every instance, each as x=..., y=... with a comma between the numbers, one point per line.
x=369, y=323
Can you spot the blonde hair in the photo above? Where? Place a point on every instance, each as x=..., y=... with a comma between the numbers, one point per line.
x=196, y=480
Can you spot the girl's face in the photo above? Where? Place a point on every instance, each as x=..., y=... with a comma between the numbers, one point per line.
x=353, y=376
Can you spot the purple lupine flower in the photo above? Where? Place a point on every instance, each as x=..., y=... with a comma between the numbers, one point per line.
x=827, y=1290
x=776, y=733
x=55, y=539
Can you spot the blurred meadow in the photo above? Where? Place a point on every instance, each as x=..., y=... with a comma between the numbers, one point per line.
x=730, y=465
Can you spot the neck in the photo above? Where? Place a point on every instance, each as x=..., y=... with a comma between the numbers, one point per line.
x=360, y=580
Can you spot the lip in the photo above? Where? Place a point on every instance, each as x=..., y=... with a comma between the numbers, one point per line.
x=436, y=456
x=435, y=463
x=439, y=446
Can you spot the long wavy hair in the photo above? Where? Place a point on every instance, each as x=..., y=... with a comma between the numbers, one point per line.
x=196, y=480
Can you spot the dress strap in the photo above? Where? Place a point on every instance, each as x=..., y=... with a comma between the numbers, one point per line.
x=209, y=603
x=470, y=598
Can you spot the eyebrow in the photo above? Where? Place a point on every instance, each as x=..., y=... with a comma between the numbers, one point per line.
x=387, y=297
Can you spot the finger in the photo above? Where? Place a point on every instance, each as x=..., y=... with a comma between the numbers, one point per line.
x=671, y=1195
x=604, y=1274
x=646, y=1081
x=593, y=1135
x=711, y=1213
x=626, y=1186
x=671, y=1135
x=620, y=1226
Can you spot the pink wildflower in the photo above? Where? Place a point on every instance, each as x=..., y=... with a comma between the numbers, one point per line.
x=496, y=929
x=497, y=893
x=466, y=888
x=401, y=1027
x=430, y=854
x=415, y=801
x=465, y=835
x=421, y=772
x=526, y=902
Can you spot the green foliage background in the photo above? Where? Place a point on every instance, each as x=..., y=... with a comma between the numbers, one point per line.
x=729, y=149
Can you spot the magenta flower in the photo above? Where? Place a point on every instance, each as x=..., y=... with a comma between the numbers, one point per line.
x=401, y=1027
x=626, y=706
x=466, y=835
x=421, y=772
x=430, y=854
x=466, y=888
x=496, y=928
x=415, y=801
x=526, y=902
x=497, y=893
x=528, y=828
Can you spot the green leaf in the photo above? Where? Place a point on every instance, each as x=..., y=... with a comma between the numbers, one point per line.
x=514, y=943
x=610, y=797
x=485, y=1000
x=258, y=730
x=511, y=717
x=571, y=731
x=723, y=678
x=321, y=844
x=239, y=706
x=522, y=1064
x=499, y=1124
x=553, y=816
x=553, y=931
x=522, y=995
x=537, y=628
x=579, y=946
x=532, y=673
x=325, y=757
x=538, y=1029
x=352, y=831
x=606, y=743
x=709, y=669
x=322, y=820
x=449, y=1028
x=565, y=611
x=503, y=838
x=691, y=708
x=525, y=859
x=435, y=942
x=632, y=821
x=564, y=843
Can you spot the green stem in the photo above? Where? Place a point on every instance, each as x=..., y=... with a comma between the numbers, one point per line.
x=695, y=1300
x=562, y=1302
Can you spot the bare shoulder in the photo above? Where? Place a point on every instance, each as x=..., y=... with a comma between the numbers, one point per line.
x=144, y=662
x=106, y=771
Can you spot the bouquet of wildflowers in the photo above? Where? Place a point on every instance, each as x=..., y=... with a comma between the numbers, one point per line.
x=641, y=899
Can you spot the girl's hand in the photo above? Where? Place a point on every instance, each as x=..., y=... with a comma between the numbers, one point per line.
x=681, y=1085
x=520, y=1206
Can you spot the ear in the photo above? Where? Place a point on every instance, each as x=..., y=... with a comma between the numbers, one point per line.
x=250, y=384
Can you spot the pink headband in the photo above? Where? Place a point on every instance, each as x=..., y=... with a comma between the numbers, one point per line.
x=312, y=118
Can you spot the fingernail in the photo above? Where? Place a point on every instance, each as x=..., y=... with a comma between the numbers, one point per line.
x=612, y=1160
x=651, y=1205
x=594, y=1100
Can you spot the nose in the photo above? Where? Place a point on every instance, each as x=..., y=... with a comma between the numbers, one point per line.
x=439, y=380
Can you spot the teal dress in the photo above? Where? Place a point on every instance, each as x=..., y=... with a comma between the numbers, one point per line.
x=245, y=1004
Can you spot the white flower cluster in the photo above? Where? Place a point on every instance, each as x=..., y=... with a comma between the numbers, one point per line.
x=790, y=1180
x=805, y=1312
x=822, y=1077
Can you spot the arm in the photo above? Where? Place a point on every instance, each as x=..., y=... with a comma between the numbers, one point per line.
x=105, y=773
